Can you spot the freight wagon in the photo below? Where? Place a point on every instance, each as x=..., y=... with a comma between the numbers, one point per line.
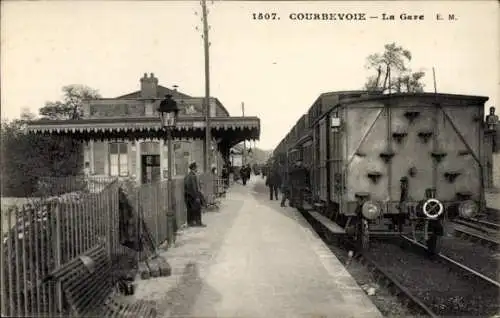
x=389, y=163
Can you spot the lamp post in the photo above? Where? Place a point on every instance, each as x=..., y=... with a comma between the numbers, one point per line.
x=169, y=111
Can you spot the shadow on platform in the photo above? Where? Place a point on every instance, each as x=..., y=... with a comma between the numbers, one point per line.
x=180, y=301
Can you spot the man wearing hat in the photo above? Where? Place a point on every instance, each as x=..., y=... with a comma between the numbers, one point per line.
x=299, y=180
x=193, y=197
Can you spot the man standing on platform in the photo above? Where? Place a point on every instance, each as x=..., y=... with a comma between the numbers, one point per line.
x=273, y=181
x=299, y=180
x=225, y=175
x=245, y=174
x=285, y=187
x=492, y=123
x=193, y=197
x=492, y=119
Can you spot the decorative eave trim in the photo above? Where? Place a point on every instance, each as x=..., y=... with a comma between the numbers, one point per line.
x=138, y=124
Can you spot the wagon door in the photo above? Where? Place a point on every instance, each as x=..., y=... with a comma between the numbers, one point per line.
x=335, y=160
x=366, y=139
x=323, y=175
x=316, y=183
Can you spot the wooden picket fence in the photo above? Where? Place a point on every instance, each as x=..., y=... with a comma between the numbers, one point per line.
x=40, y=237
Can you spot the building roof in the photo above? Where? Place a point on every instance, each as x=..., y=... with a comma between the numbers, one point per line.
x=238, y=148
x=161, y=91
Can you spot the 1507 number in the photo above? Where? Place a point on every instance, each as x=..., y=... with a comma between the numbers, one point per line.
x=265, y=16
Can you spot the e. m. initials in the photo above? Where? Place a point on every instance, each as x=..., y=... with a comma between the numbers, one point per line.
x=440, y=17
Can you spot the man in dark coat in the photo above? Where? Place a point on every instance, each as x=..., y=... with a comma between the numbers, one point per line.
x=273, y=181
x=225, y=174
x=285, y=189
x=193, y=197
x=299, y=181
x=249, y=171
x=245, y=173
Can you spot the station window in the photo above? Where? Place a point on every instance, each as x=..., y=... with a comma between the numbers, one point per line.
x=118, y=163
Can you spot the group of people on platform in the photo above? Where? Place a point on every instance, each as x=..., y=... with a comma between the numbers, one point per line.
x=243, y=173
x=292, y=184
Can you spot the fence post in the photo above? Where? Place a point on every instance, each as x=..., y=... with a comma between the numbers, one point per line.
x=6, y=310
x=137, y=201
x=109, y=225
x=157, y=210
x=170, y=214
x=56, y=247
x=173, y=206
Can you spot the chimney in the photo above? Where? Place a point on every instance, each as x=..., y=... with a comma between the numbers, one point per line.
x=175, y=88
x=149, y=86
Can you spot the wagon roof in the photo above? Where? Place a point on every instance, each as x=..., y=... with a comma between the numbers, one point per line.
x=426, y=96
x=348, y=92
x=333, y=93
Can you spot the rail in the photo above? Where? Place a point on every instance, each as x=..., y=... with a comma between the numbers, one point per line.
x=412, y=302
x=478, y=224
x=455, y=263
x=476, y=237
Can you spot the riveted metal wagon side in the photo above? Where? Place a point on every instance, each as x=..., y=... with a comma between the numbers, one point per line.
x=389, y=162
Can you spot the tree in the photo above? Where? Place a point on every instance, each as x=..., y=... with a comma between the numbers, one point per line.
x=392, y=66
x=27, y=158
x=71, y=105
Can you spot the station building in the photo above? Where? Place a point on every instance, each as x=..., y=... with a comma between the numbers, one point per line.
x=123, y=136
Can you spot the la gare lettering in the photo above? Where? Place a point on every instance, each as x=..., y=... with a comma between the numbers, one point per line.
x=403, y=16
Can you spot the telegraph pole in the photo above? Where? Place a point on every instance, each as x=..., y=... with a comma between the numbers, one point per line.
x=244, y=141
x=206, y=45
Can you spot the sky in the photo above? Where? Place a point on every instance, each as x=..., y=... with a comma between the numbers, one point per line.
x=277, y=68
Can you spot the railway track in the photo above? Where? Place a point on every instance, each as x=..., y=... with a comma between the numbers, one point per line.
x=480, y=225
x=474, y=236
x=408, y=299
x=443, y=284
x=382, y=277
x=477, y=230
x=492, y=215
x=460, y=266
x=426, y=287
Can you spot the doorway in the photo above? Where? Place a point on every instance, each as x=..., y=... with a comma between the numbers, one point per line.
x=150, y=168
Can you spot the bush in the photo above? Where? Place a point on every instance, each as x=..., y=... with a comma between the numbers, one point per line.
x=28, y=158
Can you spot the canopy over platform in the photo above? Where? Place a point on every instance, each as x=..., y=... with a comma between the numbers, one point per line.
x=228, y=130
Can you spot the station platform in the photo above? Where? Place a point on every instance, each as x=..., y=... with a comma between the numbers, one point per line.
x=254, y=259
